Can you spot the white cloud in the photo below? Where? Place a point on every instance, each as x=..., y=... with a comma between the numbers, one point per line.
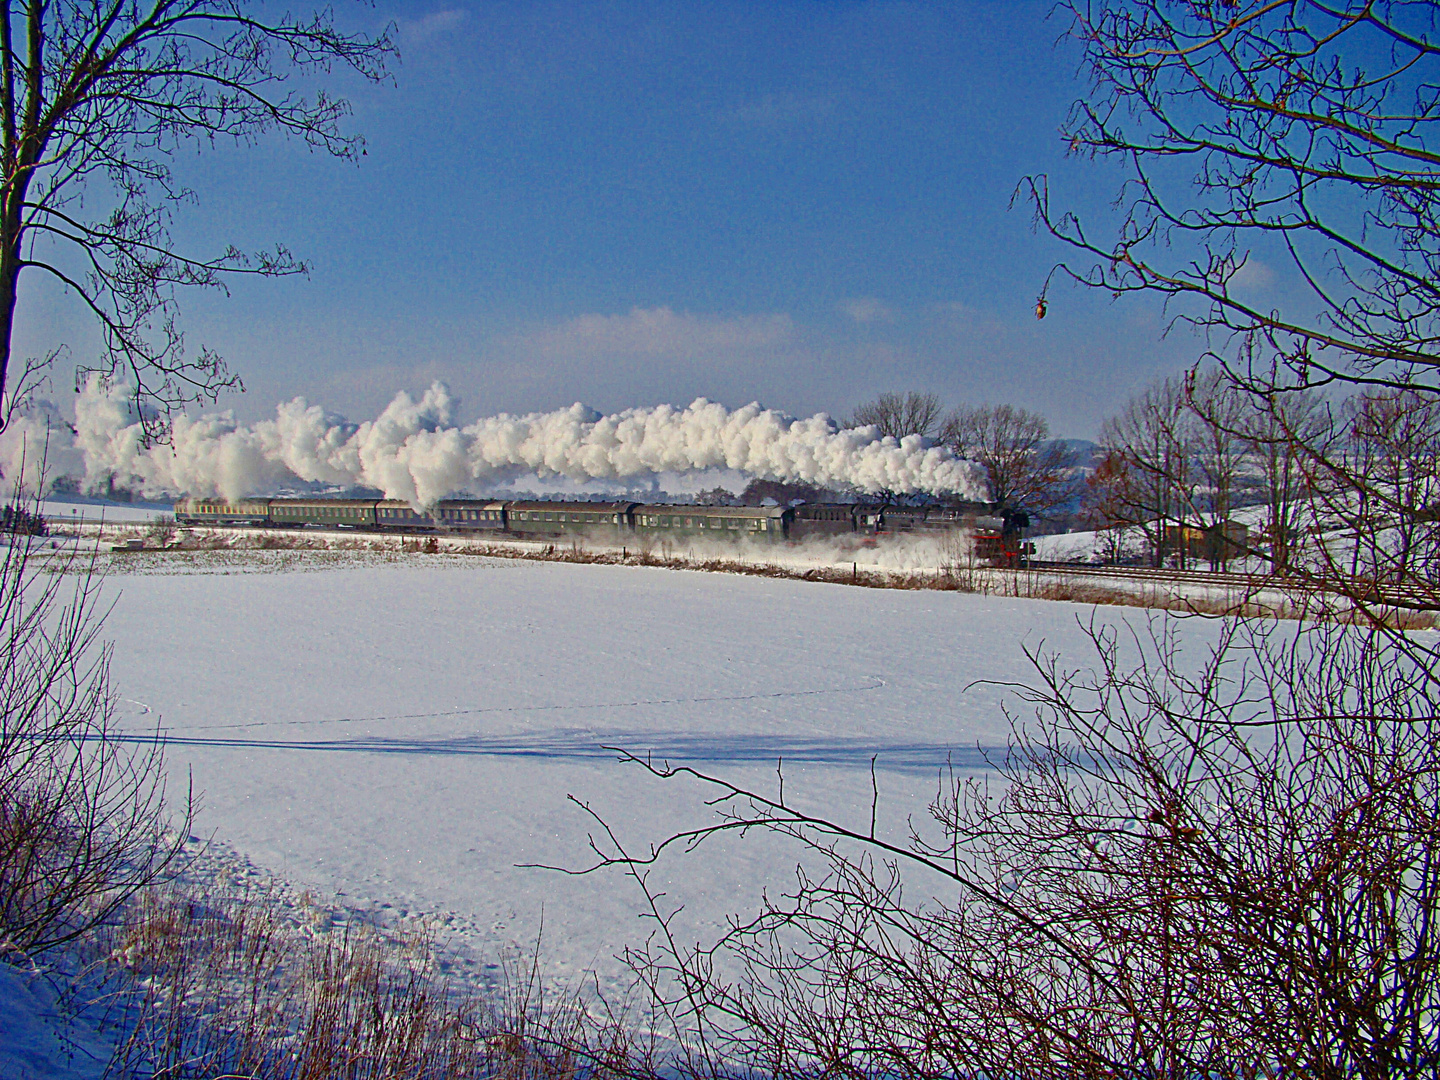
x=1252, y=277
x=658, y=332
x=435, y=25
x=781, y=110
x=867, y=309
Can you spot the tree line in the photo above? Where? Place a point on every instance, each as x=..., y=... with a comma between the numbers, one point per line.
x=1187, y=452
x=1025, y=468
x=1350, y=486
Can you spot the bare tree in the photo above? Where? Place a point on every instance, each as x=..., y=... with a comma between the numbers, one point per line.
x=1174, y=869
x=1284, y=432
x=1311, y=127
x=94, y=98
x=1110, y=506
x=1218, y=410
x=1146, y=477
x=83, y=820
x=1390, y=501
x=1026, y=468
x=899, y=415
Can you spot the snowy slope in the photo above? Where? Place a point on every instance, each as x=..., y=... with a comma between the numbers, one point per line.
x=406, y=733
x=38, y=1040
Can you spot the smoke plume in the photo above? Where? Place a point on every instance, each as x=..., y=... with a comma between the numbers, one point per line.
x=414, y=451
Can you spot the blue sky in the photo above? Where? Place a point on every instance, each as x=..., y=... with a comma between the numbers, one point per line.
x=625, y=203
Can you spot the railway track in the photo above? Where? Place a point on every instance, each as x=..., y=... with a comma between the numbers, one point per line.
x=1241, y=582
x=1164, y=575
x=1414, y=599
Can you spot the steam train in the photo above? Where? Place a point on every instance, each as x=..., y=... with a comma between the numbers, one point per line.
x=998, y=538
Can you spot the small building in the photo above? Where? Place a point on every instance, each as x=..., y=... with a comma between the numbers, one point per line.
x=1216, y=544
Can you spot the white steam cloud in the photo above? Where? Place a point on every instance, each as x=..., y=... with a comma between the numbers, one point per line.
x=413, y=450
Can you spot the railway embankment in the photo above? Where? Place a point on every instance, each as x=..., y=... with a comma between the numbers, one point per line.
x=898, y=562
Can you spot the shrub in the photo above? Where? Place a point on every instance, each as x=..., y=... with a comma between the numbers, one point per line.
x=23, y=520
x=82, y=803
x=1181, y=866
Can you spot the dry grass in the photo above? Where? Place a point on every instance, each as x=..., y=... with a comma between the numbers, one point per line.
x=211, y=986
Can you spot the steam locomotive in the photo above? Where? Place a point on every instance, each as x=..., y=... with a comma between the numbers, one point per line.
x=998, y=538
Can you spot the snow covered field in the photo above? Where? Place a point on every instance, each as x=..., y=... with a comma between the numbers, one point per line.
x=77, y=510
x=404, y=731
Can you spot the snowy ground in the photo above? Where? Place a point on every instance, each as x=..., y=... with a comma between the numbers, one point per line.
x=404, y=731
x=79, y=509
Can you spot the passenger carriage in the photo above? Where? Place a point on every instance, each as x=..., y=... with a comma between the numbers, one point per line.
x=326, y=513
x=822, y=519
x=400, y=515
x=469, y=515
x=220, y=511
x=568, y=518
x=661, y=521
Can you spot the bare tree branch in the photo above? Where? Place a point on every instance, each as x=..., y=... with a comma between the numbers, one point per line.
x=93, y=100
